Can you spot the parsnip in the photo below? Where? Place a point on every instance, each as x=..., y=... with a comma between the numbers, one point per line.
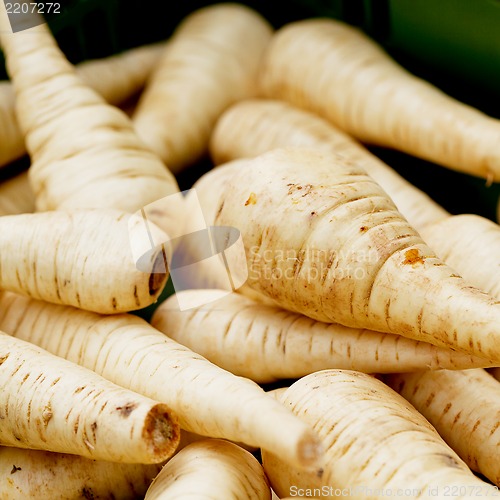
x=265, y=343
x=255, y=126
x=377, y=445
x=471, y=245
x=211, y=469
x=338, y=72
x=119, y=77
x=83, y=258
x=115, y=78
x=464, y=408
x=130, y=352
x=51, y=404
x=16, y=196
x=85, y=153
x=47, y=476
x=468, y=243
x=345, y=255
x=211, y=62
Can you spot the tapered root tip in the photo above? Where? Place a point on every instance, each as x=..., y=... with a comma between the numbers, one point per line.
x=161, y=432
x=310, y=450
x=159, y=274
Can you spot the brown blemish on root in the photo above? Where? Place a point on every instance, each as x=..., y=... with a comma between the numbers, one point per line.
x=219, y=210
x=161, y=431
x=363, y=229
x=413, y=257
x=15, y=469
x=47, y=414
x=252, y=200
x=93, y=428
x=87, y=493
x=476, y=425
x=159, y=273
x=3, y=359
x=126, y=410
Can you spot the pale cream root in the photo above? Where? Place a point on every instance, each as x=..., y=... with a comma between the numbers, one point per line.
x=336, y=71
x=464, y=408
x=83, y=258
x=46, y=476
x=211, y=469
x=346, y=255
x=51, y=404
x=375, y=442
x=266, y=343
x=255, y=126
x=85, y=153
x=115, y=78
x=211, y=62
x=131, y=353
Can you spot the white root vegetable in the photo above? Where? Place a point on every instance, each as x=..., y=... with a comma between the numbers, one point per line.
x=119, y=77
x=471, y=245
x=115, y=78
x=255, y=126
x=335, y=70
x=85, y=153
x=211, y=61
x=464, y=408
x=375, y=442
x=16, y=196
x=131, y=353
x=350, y=258
x=45, y=476
x=265, y=343
x=82, y=258
x=51, y=404
x=211, y=469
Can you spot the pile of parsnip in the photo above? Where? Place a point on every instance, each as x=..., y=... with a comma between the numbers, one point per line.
x=375, y=311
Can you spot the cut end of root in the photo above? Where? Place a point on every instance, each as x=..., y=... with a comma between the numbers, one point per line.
x=162, y=433
x=159, y=274
x=310, y=451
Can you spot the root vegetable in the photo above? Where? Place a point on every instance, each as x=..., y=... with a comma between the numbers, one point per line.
x=463, y=407
x=265, y=343
x=119, y=77
x=51, y=404
x=366, y=428
x=345, y=255
x=210, y=469
x=471, y=245
x=16, y=196
x=115, y=78
x=338, y=72
x=45, y=476
x=466, y=243
x=211, y=62
x=85, y=153
x=255, y=126
x=131, y=353
x=82, y=258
